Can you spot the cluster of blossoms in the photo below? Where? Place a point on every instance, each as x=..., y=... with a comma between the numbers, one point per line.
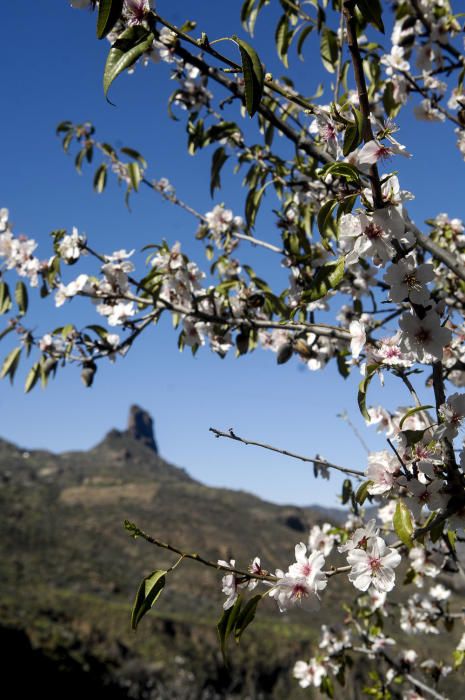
x=220, y=226
x=17, y=252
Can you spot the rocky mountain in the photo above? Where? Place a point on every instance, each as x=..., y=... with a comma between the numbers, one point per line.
x=70, y=572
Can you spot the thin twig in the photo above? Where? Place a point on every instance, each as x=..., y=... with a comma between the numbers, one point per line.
x=312, y=460
x=136, y=532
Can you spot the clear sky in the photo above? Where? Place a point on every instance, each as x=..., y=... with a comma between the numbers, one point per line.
x=51, y=70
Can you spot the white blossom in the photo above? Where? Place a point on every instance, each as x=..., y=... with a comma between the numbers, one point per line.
x=373, y=566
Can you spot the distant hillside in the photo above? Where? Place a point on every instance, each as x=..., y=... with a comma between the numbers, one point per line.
x=70, y=572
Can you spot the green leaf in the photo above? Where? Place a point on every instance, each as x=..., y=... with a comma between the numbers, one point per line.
x=362, y=492
x=346, y=490
x=452, y=537
x=345, y=170
x=132, y=153
x=252, y=205
x=371, y=11
x=412, y=412
x=362, y=390
x=403, y=524
x=282, y=39
x=246, y=616
x=32, y=377
x=10, y=364
x=226, y=625
x=329, y=49
x=148, y=593
x=391, y=107
x=324, y=216
x=109, y=11
x=254, y=76
x=352, y=139
x=128, y=47
x=328, y=277
x=100, y=178
x=459, y=657
x=218, y=160
x=5, y=298
x=413, y=436
x=302, y=38
x=134, y=174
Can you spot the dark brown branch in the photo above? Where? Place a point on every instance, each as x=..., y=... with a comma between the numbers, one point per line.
x=357, y=63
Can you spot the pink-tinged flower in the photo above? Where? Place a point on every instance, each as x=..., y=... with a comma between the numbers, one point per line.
x=255, y=568
x=439, y=592
x=376, y=600
x=362, y=235
x=373, y=151
x=321, y=539
x=424, y=338
x=360, y=537
x=395, y=60
x=311, y=673
x=373, y=566
x=295, y=590
x=452, y=413
x=309, y=567
x=389, y=352
x=407, y=279
x=135, y=11
x=229, y=584
x=427, y=113
x=428, y=495
x=358, y=337
x=382, y=470
x=425, y=563
x=382, y=419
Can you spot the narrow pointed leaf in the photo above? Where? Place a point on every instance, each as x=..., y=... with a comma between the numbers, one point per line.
x=134, y=174
x=128, y=47
x=254, y=75
x=403, y=524
x=148, y=593
x=218, y=160
x=226, y=625
x=109, y=11
x=246, y=616
x=32, y=377
x=412, y=412
x=5, y=298
x=10, y=364
x=324, y=215
x=372, y=11
x=363, y=388
x=100, y=178
x=328, y=277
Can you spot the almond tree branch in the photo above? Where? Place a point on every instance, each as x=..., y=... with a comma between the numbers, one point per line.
x=136, y=532
x=312, y=460
x=357, y=63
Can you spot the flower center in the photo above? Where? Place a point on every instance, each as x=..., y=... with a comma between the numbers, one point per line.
x=299, y=591
x=392, y=352
x=383, y=152
x=373, y=231
x=423, y=335
x=411, y=281
x=375, y=564
x=328, y=132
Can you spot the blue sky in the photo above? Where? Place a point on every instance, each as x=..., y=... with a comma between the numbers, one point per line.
x=51, y=70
